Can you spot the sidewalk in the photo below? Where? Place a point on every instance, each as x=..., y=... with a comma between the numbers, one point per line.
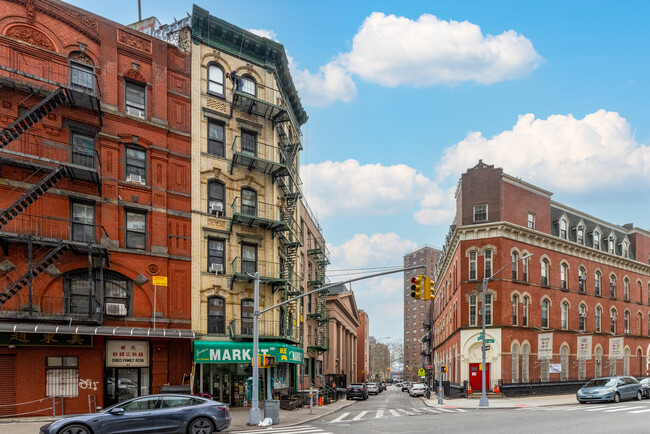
x=523, y=401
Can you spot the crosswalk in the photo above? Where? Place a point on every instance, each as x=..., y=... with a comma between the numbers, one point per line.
x=302, y=429
x=632, y=408
x=391, y=412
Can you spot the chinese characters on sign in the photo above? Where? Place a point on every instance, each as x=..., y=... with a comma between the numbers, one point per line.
x=127, y=353
x=45, y=339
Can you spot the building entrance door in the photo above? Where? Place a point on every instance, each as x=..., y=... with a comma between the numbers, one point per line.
x=121, y=384
x=475, y=377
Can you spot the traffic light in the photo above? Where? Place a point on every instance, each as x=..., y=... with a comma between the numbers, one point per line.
x=429, y=292
x=266, y=361
x=444, y=369
x=416, y=287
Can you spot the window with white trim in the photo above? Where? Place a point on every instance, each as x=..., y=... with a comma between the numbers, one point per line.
x=599, y=315
x=487, y=255
x=545, y=305
x=596, y=244
x=531, y=220
x=515, y=309
x=582, y=316
x=480, y=213
x=563, y=229
x=524, y=316
x=472, y=310
x=472, y=265
x=565, y=315
x=564, y=274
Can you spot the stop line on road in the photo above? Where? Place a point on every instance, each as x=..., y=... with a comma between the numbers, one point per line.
x=390, y=412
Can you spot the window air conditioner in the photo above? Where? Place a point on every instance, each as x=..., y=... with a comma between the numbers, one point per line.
x=135, y=178
x=583, y=315
x=115, y=309
x=132, y=111
x=216, y=208
x=216, y=268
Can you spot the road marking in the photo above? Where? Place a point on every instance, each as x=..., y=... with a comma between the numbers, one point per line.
x=622, y=409
x=394, y=412
x=340, y=418
x=598, y=408
x=641, y=411
x=431, y=410
x=445, y=409
x=380, y=414
x=293, y=430
x=360, y=415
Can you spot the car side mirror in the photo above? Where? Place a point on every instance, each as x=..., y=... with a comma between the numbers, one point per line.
x=117, y=411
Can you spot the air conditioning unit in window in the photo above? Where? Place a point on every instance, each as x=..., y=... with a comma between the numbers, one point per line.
x=135, y=178
x=132, y=111
x=583, y=315
x=115, y=309
x=216, y=268
x=216, y=208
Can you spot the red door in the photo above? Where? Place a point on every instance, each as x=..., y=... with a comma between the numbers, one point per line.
x=475, y=377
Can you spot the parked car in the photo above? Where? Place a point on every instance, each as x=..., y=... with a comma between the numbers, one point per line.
x=357, y=390
x=152, y=413
x=382, y=386
x=417, y=389
x=373, y=389
x=645, y=387
x=405, y=386
x=610, y=389
x=399, y=385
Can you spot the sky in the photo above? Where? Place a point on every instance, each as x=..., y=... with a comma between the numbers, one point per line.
x=403, y=97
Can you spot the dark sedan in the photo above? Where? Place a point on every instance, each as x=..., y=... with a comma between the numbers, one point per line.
x=357, y=390
x=149, y=414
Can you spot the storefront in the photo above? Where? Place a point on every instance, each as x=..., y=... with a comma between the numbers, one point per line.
x=222, y=368
x=126, y=373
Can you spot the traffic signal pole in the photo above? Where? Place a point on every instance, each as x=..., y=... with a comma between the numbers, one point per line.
x=254, y=415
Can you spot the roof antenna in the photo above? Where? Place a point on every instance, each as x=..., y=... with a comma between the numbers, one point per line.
x=139, y=10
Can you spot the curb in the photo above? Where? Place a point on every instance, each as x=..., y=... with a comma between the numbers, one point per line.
x=522, y=405
x=308, y=418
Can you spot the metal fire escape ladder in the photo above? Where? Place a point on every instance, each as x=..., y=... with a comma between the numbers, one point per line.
x=23, y=280
x=31, y=195
x=31, y=117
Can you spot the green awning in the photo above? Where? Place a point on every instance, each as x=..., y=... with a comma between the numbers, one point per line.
x=241, y=352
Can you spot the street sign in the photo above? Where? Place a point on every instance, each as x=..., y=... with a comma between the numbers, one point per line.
x=480, y=337
x=159, y=280
x=422, y=372
x=486, y=347
x=489, y=341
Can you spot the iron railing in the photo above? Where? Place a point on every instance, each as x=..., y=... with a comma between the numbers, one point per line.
x=64, y=307
x=54, y=229
x=268, y=329
x=257, y=149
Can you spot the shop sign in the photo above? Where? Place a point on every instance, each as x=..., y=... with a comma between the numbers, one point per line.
x=20, y=339
x=127, y=354
x=242, y=352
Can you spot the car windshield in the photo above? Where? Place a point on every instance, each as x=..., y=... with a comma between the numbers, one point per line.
x=601, y=382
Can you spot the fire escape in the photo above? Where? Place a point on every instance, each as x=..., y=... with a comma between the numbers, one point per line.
x=318, y=250
x=44, y=163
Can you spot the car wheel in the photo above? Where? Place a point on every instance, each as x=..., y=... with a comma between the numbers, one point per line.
x=582, y=402
x=639, y=395
x=75, y=429
x=200, y=425
x=617, y=397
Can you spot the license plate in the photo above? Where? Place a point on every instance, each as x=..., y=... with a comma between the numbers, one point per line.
x=590, y=396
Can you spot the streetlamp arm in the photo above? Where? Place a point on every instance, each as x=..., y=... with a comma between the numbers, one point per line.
x=507, y=265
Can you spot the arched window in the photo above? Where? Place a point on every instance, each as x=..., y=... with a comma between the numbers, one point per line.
x=525, y=356
x=80, y=303
x=611, y=244
x=216, y=315
x=612, y=320
x=598, y=362
x=545, y=305
x=515, y=362
x=524, y=313
x=564, y=360
x=580, y=235
x=565, y=315
x=582, y=279
x=597, y=279
x=626, y=320
x=215, y=80
x=624, y=249
x=545, y=267
x=564, y=275
x=612, y=286
x=248, y=85
x=626, y=362
x=626, y=289
x=599, y=316
x=249, y=201
x=583, y=316
x=515, y=308
x=515, y=265
x=488, y=309
x=488, y=262
x=216, y=198
x=563, y=229
x=472, y=310
x=82, y=71
x=596, y=240
x=524, y=269
x=472, y=265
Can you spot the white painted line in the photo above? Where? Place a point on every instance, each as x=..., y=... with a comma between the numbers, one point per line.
x=431, y=410
x=622, y=409
x=444, y=409
x=340, y=418
x=360, y=415
x=394, y=412
x=380, y=414
x=305, y=429
x=460, y=410
x=406, y=411
x=600, y=408
x=641, y=411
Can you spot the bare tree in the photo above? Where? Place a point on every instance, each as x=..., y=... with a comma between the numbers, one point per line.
x=397, y=354
x=380, y=361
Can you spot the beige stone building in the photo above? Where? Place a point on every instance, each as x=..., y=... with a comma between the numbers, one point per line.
x=246, y=119
x=341, y=359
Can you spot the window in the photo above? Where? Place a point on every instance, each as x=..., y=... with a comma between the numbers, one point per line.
x=249, y=258
x=524, y=269
x=626, y=319
x=216, y=198
x=612, y=286
x=216, y=139
x=249, y=143
x=135, y=99
x=599, y=315
x=545, y=305
x=563, y=229
x=480, y=213
x=531, y=220
x=488, y=262
x=525, y=356
x=524, y=316
x=247, y=317
x=580, y=235
x=83, y=149
x=564, y=271
x=248, y=202
x=472, y=310
x=596, y=240
x=582, y=279
x=118, y=290
x=582, y=316
x=472, y=265
x=80, y=301
x=216, y=254
x=62, y=377
x=515, y=265
x=599, y=362
x=610, y=244
x=612, y=320
x=565, y=315
x=82, y=76
x=488, y=309
x=515, y=363
x=625, y=251
x=83, y=222
x=142, y=404
x=626, y=289
x=215, y=80
x=136, y=230
x=247, y=85
x=597, y=277
x=515, y=308
x=216, y=315
x=136, y=165
x=545, y=266
x=564, y=361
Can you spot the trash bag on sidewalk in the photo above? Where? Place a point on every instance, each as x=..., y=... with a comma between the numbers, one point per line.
x=266, y=422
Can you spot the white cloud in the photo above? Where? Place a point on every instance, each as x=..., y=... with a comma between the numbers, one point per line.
x=397, y=51
x=269, y=34
x=560, y=153
x=330, y=84
x=373, y=189
x=377, y=250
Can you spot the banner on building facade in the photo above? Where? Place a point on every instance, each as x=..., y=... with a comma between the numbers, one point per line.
x=615, y=348
x=555, y=368
x=584, y=347
x=545, y=346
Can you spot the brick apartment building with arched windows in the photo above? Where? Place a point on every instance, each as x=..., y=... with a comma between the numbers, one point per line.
x=578, y=308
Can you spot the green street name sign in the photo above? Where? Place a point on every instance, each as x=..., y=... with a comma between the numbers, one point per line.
x=489, y=341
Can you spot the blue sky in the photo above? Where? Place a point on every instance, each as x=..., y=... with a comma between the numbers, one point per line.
x=405, y=96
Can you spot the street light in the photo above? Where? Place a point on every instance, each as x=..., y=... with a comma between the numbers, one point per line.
x=483, y=402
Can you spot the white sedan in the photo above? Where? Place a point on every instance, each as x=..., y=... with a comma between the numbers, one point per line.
x=417, y=389
x=373, y=389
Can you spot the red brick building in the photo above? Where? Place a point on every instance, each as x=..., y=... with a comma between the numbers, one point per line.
x=578, y=308
x=363, y=347
x=94, y=203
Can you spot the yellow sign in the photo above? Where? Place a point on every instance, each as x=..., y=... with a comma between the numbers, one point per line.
x=159, y=280
x=422, y=372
